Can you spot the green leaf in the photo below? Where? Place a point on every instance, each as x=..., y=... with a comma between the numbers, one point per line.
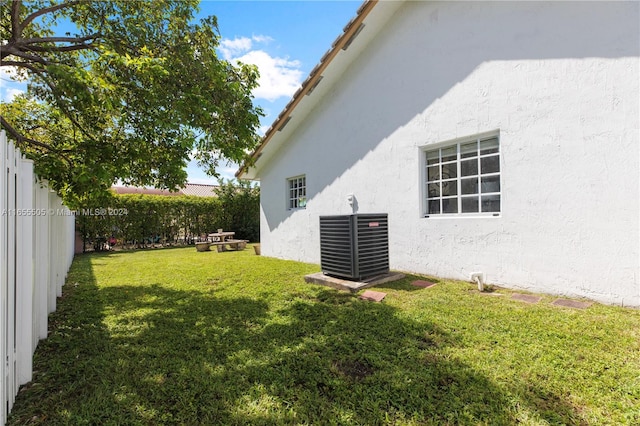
x=142, y=90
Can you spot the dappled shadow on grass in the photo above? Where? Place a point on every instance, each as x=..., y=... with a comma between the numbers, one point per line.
x=69, y=365
x=163, y=355
x=195, y=357
x=547, y=405
x=358, y=362
x=152, y=354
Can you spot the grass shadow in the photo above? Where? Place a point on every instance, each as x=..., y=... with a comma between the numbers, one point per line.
x=361, y=363
x=155, y=355
x=227, y=347
x=69, y=365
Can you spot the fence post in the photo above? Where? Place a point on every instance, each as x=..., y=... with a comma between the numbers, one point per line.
x=60, y=250
x=7, y=277
x=24, y=271
x=4, y=218
x=10, y=320
x=41, y=248
x=51, y=248
x=33, y=227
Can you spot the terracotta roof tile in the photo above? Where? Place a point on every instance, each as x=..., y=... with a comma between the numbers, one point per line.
x=192, y=189
x=199, y=190
x=144, y=191
x=326, y=59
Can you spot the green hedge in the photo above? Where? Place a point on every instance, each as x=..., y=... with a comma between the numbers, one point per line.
x=136, y=220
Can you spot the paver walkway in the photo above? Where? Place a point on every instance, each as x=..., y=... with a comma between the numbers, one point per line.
x=373, y=296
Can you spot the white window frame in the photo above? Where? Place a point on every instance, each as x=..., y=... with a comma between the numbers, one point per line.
x=296, y=192
x=424, y=178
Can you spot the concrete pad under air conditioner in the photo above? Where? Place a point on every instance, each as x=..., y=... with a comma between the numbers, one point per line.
x=353, y=286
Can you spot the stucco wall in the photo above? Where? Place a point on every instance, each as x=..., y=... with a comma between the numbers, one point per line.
x=561, y=84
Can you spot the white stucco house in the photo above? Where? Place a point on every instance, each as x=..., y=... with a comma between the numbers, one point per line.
x=500, y=137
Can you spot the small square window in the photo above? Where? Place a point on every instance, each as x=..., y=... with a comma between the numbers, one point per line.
x=491, y=203
x=470, y=205
x=469, y=186
x=469, y=167
x=464, y=177
x=449, y=154
x=434, y=206
x=449, y=205
x=490, y=164
x=489, y=146
x=468, y=150
x=297, y=187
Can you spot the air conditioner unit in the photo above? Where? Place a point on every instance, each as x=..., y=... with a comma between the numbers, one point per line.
x=355, y=247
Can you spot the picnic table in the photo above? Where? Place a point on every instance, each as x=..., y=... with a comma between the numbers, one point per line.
x=220, y=236
x=223, y=240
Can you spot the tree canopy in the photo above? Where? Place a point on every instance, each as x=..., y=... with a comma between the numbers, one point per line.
x=132, y=92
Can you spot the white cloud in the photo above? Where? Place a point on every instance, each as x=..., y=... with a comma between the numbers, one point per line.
x=10, y=84
x=232, y=48
x=278, y=76
x=262, y=39
x=9, y=93
x=9, y=73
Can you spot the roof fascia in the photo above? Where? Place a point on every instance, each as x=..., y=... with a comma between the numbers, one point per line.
x=316, y=74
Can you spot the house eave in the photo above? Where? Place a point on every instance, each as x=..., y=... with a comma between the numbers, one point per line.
x=356, y=35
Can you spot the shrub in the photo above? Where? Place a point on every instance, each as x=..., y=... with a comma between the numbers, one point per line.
x=137, y=220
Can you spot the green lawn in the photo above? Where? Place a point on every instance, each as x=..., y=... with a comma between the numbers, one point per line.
x=178, y=337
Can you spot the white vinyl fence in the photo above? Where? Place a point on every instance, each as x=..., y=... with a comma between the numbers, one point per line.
x=36, y=250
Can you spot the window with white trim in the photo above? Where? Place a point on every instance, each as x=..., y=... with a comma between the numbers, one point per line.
x=297, y=192
x=463, y=178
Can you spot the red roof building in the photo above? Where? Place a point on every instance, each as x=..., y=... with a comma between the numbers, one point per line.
x=191, y=189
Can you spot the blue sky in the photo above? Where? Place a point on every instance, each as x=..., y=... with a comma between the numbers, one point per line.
x=285, y=39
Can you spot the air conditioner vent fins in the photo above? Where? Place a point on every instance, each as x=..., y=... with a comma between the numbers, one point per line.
x=354, y=246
